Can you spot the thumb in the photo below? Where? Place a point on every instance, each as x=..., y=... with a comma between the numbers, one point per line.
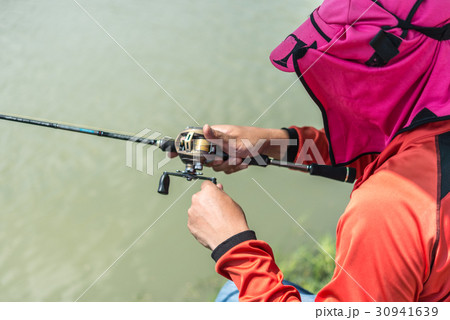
x=207, y=184
x=212, y=134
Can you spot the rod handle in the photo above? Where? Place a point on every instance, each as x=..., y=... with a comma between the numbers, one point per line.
x=260, y=161
x=344, y=174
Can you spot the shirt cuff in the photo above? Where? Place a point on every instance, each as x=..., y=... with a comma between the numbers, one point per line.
x=231, y=242
x=292, y=150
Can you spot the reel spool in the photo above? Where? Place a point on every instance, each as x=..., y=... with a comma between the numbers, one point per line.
x=193, y=148
x=194, y=151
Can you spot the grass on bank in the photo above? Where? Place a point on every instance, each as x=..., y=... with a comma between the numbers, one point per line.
x=309, y=266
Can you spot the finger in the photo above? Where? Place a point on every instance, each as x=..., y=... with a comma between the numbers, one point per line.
x=232, y=170
x=221, y=167
x=207, y=184
x=212, y=134
x=194, y=200
x=208, y=132
x=216, y=163
x=225, y=165
x=235, y=161
x=172, y=154
x=210, y=158
x=220, y=186
x=243, y=166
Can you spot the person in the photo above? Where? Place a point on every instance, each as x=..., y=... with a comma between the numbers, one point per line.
x=379, y=71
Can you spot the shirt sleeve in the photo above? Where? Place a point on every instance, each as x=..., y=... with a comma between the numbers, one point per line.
x=252, y=268
x=382, y=250
x=313, y=147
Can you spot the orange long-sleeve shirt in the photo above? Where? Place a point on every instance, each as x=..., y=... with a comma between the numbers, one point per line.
x=393, y=238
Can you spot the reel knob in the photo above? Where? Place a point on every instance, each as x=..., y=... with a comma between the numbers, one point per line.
x=164, y=183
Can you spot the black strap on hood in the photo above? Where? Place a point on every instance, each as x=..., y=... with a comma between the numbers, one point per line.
x=386, y=44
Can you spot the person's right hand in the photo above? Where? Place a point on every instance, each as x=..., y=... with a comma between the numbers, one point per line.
x=241, y=142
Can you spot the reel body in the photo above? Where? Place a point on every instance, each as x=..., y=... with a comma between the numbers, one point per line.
x=193, y=148
x=194, y=151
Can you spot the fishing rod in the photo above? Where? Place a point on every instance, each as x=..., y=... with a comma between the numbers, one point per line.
x=194, y=151
x=164, y=144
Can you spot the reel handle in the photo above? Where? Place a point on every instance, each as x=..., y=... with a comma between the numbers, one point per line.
x=164, y=181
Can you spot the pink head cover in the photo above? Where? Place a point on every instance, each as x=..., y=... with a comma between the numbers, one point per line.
x=365, y=105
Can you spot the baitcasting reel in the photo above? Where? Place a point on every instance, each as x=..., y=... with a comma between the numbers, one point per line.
x=194, y=151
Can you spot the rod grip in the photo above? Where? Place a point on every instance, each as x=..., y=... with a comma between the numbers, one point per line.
x=260, y=160
x=344, y=174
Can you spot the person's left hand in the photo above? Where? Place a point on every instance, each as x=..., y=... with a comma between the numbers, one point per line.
x=214, y=217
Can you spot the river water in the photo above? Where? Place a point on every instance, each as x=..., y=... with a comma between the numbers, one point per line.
x=70, y=207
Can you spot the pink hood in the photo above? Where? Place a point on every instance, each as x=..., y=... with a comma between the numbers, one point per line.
x=371, y=83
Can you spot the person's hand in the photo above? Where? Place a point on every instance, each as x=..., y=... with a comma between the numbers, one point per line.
x=214, y=217
x=230, y=139
x=241, y=142
x=172, y=154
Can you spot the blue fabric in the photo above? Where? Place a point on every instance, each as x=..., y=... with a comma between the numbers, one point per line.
x=230, y=293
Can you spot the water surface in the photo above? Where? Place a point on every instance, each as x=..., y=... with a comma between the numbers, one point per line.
x=70, y=205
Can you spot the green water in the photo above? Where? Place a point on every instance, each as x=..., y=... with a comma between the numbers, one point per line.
x=69, y=204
